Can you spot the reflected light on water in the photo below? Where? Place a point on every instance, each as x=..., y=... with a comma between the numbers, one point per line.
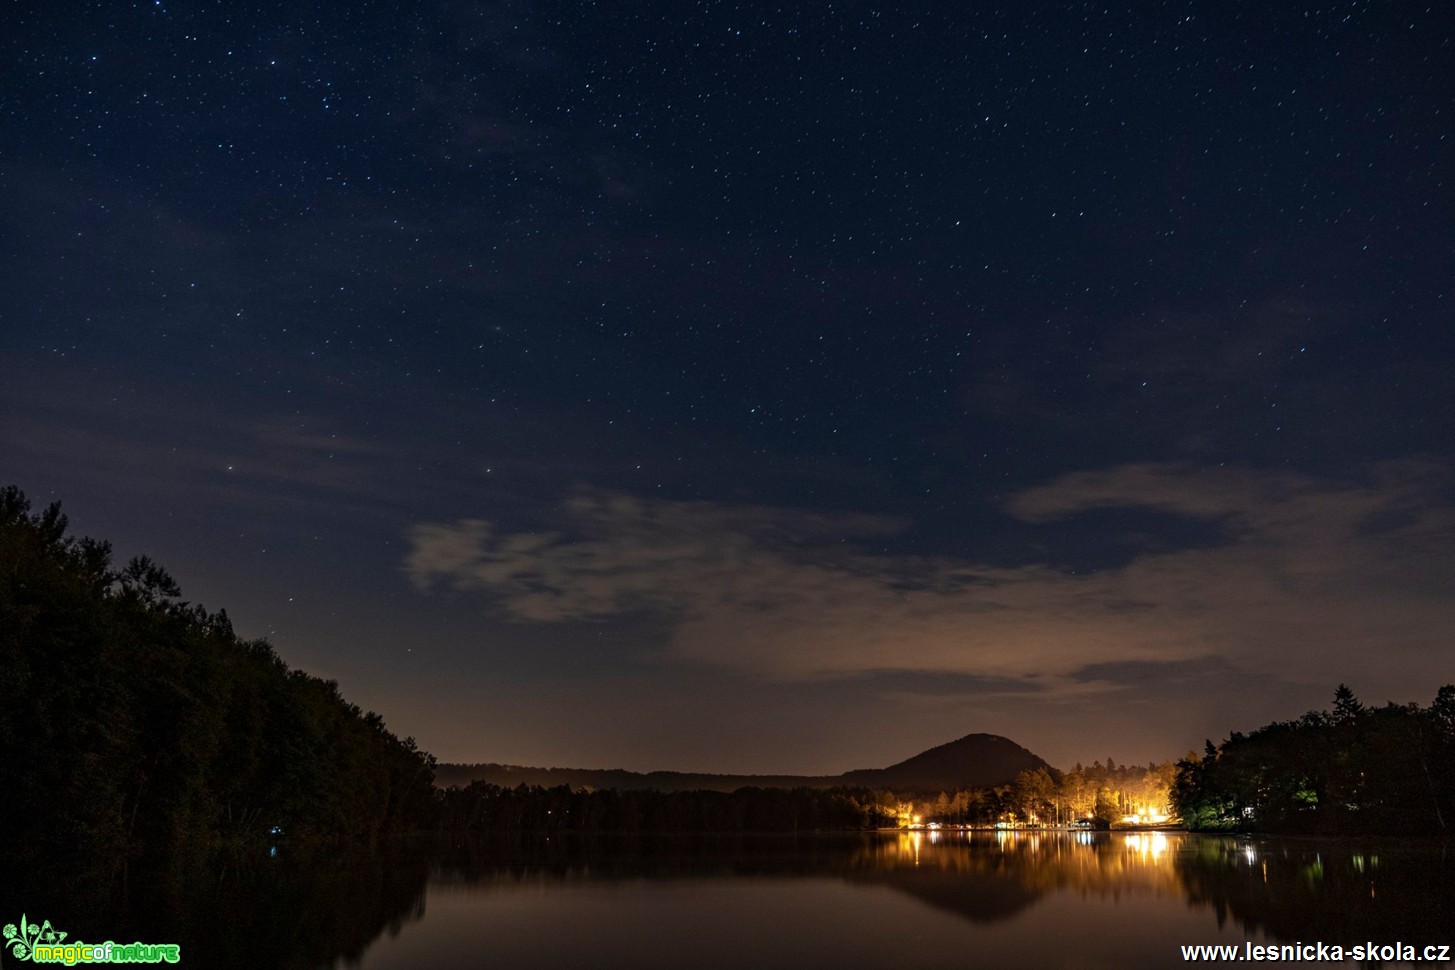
x=1150, y=846
x=1015, y=898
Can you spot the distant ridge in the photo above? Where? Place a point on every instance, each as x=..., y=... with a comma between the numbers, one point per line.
x=974, y=761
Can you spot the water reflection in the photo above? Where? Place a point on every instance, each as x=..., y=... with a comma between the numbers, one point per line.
x=1313, y=889
x=286, y=909
x=1019, y=898
x=990, y=875
x=1014, y=898
x=1287, y=889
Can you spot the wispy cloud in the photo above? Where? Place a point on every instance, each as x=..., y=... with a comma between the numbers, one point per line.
x=1314, y=580
x=162, y=447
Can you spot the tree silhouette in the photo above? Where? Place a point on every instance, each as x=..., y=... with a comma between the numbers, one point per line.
x=139, y=732
x=1353, y=769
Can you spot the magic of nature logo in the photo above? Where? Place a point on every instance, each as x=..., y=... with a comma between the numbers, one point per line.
x=42, y=943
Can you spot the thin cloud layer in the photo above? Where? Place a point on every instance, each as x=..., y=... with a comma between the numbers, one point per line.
x=1314, y=580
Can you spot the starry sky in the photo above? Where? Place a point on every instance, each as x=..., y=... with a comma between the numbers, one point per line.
x=751, y=387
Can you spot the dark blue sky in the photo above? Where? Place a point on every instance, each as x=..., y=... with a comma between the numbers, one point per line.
x=734, y=387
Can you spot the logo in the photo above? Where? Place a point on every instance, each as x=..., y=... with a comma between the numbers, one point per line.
x=42, y=943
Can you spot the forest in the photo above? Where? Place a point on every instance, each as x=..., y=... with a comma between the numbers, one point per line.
x=1348, y=770
x=140, y=736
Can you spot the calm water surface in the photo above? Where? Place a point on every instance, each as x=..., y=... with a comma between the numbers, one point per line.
x=952, y=899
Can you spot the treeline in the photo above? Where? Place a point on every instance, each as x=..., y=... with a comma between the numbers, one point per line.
x=1044, y=796
x=487, y=808
x=1108, y=792
x=1113, y=792
x=139, y=731
x=1352, y=769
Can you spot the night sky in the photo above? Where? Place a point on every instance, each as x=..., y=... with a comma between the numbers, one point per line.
x=735, y=387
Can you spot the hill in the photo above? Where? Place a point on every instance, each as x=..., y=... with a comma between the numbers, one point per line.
x=974, y=761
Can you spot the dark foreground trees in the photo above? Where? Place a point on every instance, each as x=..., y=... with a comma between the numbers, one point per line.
x=1351, y=769
x=139, y=731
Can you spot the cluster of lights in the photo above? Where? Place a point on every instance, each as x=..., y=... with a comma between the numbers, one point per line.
x=1146, y=816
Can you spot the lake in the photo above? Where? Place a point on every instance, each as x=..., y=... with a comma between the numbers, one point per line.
x=907, y=900
x=875, y=900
